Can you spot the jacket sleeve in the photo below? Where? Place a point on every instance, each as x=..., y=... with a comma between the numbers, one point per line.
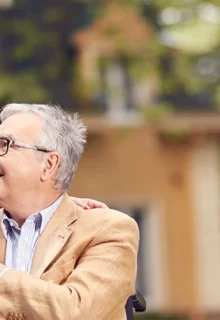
x=103, y=280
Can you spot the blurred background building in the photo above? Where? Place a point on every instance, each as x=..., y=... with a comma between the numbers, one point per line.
x=144, y=75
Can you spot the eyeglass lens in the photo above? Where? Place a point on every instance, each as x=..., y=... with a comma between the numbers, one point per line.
x=3, y=146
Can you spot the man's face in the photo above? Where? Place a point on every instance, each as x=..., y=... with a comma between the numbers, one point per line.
x=20, y=170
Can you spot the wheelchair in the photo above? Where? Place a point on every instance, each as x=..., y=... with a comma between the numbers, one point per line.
x=135, y=302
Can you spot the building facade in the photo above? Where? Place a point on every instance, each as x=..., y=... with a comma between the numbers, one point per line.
x=171, y=187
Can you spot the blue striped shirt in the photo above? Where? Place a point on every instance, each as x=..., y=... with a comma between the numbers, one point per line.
x=22, y=242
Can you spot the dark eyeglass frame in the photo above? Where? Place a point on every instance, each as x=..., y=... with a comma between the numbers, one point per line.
x=14, y=143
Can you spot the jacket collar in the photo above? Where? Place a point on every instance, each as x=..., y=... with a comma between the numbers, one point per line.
x=53, y=238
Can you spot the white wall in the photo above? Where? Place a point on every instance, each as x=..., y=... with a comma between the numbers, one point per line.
x=155, y=259
x=206, y=200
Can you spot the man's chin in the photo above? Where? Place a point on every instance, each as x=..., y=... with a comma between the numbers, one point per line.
x=3, y=192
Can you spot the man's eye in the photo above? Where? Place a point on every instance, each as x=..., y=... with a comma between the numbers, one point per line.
x=3, y=144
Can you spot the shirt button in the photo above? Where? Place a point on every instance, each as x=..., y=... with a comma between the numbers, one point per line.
x=26, y=239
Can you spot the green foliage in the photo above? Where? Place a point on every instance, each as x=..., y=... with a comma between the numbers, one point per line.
x=29, y=39
x=28, y=83
x=197, y=38
x=156, y=316
x=52, y=15
x=21, y=88
x=217, y=96
x=157, y=112
x=33, y=46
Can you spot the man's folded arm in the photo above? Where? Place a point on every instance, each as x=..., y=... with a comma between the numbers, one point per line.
x=102, y=280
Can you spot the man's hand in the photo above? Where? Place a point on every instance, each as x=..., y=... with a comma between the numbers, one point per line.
x=89, y=203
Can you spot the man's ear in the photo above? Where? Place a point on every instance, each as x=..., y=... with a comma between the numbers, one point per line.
x=50, y=165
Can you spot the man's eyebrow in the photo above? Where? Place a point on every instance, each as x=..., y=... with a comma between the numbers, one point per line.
x=7, y=135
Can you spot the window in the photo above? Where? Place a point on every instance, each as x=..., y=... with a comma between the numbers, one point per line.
x=116, y=88
x=142, y=275
x=141, y=217
x=152, y=272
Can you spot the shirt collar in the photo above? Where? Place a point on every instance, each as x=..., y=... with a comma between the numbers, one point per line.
x=45, y=215
x=48, y=212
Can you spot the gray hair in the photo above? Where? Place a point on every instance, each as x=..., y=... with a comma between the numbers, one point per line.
x=60, y=132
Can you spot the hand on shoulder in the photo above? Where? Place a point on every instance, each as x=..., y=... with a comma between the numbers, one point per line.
x=86, y=204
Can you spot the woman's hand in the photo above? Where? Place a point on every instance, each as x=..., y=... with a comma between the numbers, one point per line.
x=89, y=203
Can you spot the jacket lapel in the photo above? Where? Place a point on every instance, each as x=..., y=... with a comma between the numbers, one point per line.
x=2, y=243
x=54, y=237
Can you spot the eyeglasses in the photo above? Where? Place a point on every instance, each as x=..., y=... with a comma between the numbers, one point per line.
x=6, y=143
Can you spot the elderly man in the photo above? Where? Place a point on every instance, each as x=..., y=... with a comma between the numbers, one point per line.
x=57, y=260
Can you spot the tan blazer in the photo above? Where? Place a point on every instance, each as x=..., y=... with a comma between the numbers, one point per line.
x=84, y=268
